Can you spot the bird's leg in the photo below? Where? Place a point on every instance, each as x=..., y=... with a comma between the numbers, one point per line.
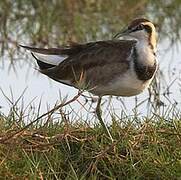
x=98, y=112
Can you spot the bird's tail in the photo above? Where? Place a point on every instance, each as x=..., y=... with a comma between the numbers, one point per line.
x=46, y=58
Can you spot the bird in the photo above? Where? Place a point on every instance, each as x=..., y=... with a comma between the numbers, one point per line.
x=122, y=66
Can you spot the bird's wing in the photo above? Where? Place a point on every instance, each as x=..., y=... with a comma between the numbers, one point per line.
x=95, y=62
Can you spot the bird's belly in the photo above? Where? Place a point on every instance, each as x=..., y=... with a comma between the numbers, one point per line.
x=124, y=85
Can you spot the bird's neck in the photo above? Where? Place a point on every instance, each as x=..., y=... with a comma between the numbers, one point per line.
x=146, y=52
x=145, y=64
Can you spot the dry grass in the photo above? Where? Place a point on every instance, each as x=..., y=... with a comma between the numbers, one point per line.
x=147, y=148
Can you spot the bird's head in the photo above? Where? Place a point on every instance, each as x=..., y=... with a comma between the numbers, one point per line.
x=140, y=29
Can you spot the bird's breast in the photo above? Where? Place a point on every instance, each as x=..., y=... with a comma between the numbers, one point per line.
x=124, y=85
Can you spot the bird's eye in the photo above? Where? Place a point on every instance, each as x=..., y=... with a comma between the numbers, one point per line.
x=140, y=27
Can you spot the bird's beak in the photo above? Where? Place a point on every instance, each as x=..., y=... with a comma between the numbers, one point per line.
x=122, y=33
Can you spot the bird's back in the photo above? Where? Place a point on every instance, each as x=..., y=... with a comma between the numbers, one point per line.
x=90, y=65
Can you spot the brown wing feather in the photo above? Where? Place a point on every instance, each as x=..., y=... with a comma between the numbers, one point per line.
x=95, y=63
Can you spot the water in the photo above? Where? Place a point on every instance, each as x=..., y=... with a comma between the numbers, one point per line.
x=41, y=88
x=17, y=68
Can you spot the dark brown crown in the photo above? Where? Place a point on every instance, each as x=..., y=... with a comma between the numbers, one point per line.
x=136, y=22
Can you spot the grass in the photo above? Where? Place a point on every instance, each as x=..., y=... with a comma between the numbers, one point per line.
x=147, y=148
